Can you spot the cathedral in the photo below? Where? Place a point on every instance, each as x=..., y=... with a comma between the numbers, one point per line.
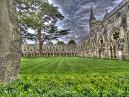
x=108, y=38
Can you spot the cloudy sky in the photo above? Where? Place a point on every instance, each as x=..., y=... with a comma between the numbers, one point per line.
x=77, y=14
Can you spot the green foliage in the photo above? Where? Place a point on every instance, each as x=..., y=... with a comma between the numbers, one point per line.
x=50, y=43
x=72, y=41
x=54, y=33
x=94, y=85
x=60, y=42
x=32, y=21
x=37, y=14
x=69, y=65
x=63, y=32
x=69, y=77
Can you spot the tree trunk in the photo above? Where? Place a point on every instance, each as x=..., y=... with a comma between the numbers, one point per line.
x=10, y=45
x=40, y=43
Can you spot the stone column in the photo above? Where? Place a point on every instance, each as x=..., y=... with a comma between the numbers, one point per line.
x=106, y=50
x=128, y=33
x=10, y=46
x=120, y=45
x=124, y=35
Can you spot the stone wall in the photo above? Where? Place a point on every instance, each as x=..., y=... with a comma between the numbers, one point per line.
x=10, y=48
x=50, y=50
x=110, y=39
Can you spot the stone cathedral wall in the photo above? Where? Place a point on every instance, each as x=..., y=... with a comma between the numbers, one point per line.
x=111, y=38
x=50, y=50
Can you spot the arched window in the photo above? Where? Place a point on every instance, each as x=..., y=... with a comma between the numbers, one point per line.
x=101, y=41
x=124, y=22
x=118, y=15
x=116, y=36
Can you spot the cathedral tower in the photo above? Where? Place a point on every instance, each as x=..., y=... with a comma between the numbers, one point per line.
x=92, y=21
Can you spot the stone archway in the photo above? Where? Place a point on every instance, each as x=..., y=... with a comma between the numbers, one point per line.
x=101, y=46
x=113, y=40
x=111, y=52
x=115, y=51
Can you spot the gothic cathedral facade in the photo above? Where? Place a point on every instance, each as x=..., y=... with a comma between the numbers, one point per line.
x=108, y=38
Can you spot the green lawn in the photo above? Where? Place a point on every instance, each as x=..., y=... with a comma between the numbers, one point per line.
x=69, y=77
x=71, y=65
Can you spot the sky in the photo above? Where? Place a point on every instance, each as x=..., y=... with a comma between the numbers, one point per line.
x=77, y=14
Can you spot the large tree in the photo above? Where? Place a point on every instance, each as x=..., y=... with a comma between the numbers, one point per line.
x=72, y=42
x=10, y=48
x=37, y=15
x=54, y=33
x=60, y=42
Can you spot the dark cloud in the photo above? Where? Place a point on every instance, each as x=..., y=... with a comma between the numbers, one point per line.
x=77, y=14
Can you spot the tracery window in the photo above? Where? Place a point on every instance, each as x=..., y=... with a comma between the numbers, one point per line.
x=109, y=21
x=124, y=22
x=101, y=41
x=118, y=15
x=116, y=35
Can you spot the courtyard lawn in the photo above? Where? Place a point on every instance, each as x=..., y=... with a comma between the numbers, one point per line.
x=71, y=65
x=69, y=77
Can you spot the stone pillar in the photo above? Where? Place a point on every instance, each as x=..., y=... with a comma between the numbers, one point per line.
x=10, y=46
x=106, y=50
x=124, y=35
x=119, y=55
x=97, y=52
x=128, y=33
x=121, y=45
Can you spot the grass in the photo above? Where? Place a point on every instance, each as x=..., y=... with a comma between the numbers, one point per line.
x=71, y=65
x=69, y=77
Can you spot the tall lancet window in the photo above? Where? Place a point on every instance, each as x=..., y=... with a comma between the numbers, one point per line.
x=124, y=22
